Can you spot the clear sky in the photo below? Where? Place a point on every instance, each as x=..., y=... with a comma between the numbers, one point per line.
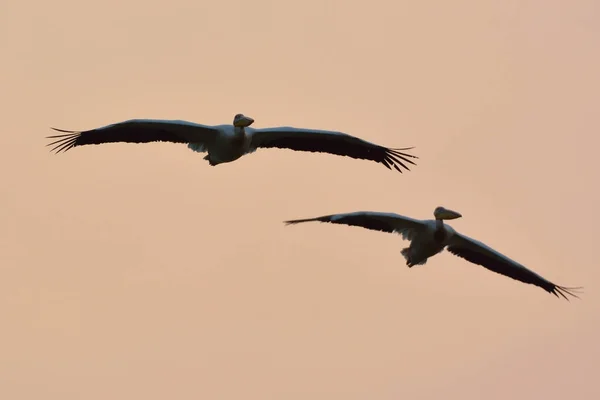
x=140, y=272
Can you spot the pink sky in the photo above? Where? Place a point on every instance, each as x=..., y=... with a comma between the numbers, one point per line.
x=133, y=272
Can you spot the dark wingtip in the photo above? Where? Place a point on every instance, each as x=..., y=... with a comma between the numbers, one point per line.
x=292, y=222
x=398, y=159
x=297, y=221
x=563, y=291
x=63, y=142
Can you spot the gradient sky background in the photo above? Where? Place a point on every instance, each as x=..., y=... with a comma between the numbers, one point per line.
x=139, y=272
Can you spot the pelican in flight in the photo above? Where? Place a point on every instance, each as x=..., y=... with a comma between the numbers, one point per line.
x=227, y=143
x=429, y=237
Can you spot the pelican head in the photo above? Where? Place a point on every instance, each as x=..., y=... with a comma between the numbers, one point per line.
x=241, y=121
x=441, y=213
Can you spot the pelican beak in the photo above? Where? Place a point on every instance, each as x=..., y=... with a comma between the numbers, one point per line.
x=243, y=121
x=449, y=214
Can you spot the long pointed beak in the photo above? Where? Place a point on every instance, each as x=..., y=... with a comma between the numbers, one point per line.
x=244, y=122
x=449, y=214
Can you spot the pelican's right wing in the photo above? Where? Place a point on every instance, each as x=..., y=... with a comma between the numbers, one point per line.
x=137, y=131
x=378, y=221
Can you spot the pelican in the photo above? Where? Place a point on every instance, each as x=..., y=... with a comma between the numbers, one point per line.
x=227, y=143
x=429, y=237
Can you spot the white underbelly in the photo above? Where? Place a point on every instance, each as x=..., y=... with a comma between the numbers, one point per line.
x=424, y=246
x=228, y=148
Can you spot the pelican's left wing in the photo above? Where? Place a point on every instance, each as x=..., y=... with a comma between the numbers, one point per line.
x=332, y=142
x=478, y=253
x=377, y=221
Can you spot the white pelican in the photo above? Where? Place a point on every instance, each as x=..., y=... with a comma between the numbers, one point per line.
x=227, y=143
x=429, y=237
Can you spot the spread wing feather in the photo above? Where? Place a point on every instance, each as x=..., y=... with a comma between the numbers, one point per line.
x=479, y=253
x=135, y=131
x=378, y=221
x=331, y=142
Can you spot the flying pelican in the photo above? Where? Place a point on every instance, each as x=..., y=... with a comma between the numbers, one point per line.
x=429, y=237
x=227, y=143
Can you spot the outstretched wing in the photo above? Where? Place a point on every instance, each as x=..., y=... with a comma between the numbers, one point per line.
x=330, y=142
x=478, y=253
x=136, y=131
x=378, y=221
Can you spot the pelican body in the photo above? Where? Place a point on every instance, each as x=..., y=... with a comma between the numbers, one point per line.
x=430, y=237
x=227, y=143
x=433, y=238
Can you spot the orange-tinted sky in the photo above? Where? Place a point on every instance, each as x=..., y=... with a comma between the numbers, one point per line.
x=138, y=271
